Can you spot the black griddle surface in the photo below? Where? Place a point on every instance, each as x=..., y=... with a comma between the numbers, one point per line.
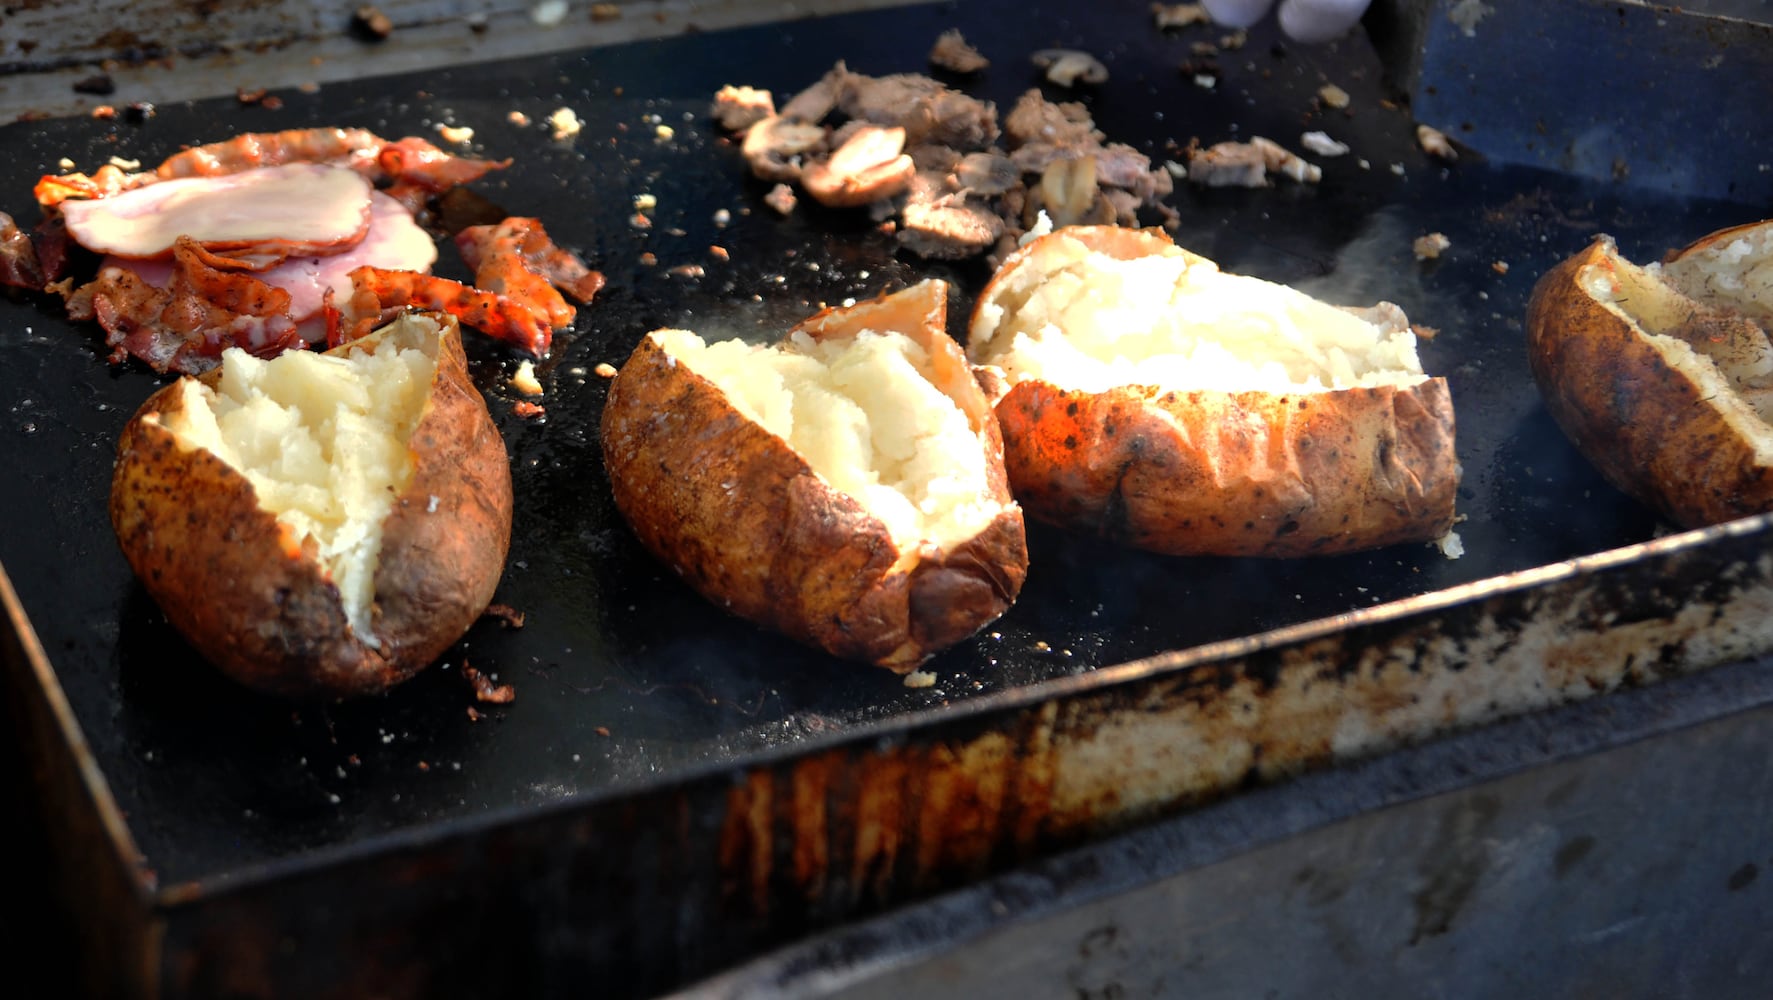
x=623, y=675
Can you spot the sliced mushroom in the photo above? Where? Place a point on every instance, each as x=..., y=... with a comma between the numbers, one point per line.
x=869, y=166
x=739, y=108
x=1070, y=195
x=1068, y=67
x=775, y=146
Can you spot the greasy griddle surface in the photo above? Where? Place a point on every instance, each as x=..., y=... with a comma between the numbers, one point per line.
x=622, y=674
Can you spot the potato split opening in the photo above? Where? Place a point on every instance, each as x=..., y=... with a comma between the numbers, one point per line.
x=1086, y=320
x=1688, y=311
x=866, y=418
x=323, y=439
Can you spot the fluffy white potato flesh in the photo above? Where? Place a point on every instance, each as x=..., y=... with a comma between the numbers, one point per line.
x=1085, y=320
x=322, y=438
x=867, y=420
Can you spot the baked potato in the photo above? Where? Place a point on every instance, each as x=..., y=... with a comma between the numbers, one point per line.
x=844, y=487
x=1662, y=375
x=1148, y=397
x=319, y=525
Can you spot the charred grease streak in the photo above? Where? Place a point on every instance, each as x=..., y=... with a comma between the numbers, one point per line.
x=1452, y=871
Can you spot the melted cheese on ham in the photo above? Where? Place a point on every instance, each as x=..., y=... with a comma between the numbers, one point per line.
x=394, y=241
x=298, y=203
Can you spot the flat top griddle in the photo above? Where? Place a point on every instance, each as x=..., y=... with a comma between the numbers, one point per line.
x=624, y=677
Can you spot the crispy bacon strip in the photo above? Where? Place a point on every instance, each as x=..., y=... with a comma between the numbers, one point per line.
x=380, y=291
x=410, y=162
x=207, y=306
x=515, y=258
x=19, y=266
x=106, y=181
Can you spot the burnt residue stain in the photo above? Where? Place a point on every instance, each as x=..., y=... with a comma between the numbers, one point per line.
x=1570, y=854
x=1454, y=865
x=1743, y=877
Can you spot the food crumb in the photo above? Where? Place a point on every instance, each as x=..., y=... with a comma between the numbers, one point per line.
x=507, y=615
x=722, y=217
x=1179, y=15
x=1500, y=267
x=549, y=12
x=645, y=202
x=473, y=714
x=639, y=221
x=687, y=271
x=920, y=679
x=485, y=690
x=122, y=164
x=718, y=252
x=664, y=133
x=460, y=135
x=649, y=259
x=952, y=52
x=1332, y=96
x=1321, y=144
x=370, y=22
x=601, y=730
x=565, y=124
x=601, y=12
x=1451, y=545
x=517, y=118
x=527, y=409
x=524, y=379
x=604, y=370
x=1435, y=143
x=781, y=198
x=1431, y=246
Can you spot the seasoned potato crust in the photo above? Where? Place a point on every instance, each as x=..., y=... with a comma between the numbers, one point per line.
x=1147, y=397
x=844, y=487
x=319, y=526
x=1662, y=375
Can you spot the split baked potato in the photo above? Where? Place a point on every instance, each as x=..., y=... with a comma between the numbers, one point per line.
x=1662, y=375
x=319, y=525
x=844, y=486
x=1148, y=397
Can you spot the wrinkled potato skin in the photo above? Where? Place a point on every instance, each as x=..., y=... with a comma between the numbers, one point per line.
x=1235, y=474
x=215, y=561
x=1646, y=426
x=747, y=523
x=1226, y=473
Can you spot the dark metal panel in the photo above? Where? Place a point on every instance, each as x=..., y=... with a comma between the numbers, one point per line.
x=1662, y=97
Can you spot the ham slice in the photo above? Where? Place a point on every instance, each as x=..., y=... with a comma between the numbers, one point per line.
x=272, y=212
x=394, y=241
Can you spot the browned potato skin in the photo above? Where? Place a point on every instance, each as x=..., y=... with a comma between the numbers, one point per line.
x=1646, y=426
x=744, y=519
x=1228, y=473
x=220, y=568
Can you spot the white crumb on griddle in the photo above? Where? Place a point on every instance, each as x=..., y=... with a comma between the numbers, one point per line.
x=565, y=123
x=1451, y=545
x=920, y=679
x=1321, y=144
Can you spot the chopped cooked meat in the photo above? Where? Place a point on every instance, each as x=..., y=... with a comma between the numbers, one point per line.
x=816, y=101
x=944, y=226
x=19, y=266
x=937, y=158
x=924, y=108
x=739, y=108
x=986, y=174
x=1035, y=119
x=1248, y=164
x=952, y=53
x=207, y=305
x=1228, y=164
